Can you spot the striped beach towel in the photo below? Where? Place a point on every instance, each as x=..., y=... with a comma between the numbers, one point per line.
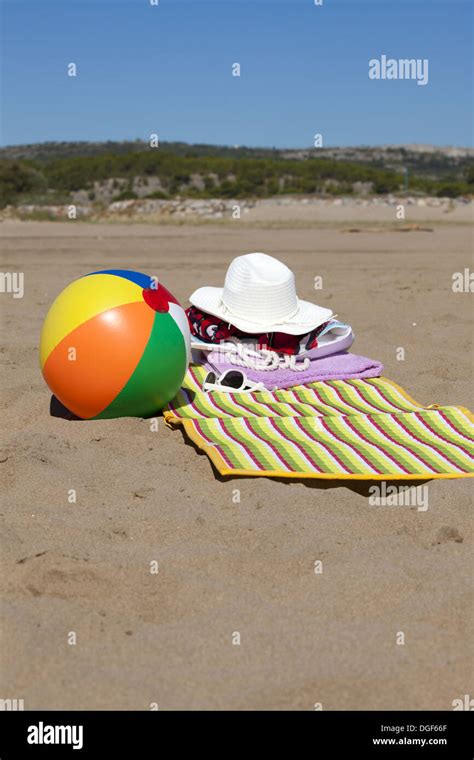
x=351, y=429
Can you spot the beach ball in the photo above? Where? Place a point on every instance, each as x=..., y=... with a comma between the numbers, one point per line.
x=115, y=343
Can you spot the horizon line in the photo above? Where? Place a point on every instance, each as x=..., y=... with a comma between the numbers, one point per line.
x=240, y=147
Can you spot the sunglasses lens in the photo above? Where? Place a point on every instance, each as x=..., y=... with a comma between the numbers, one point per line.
x=233, y=379
x=210, y=378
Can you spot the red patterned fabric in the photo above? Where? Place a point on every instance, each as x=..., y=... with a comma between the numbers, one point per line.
x=213, y=330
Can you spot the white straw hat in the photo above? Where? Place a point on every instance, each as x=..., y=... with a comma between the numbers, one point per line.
x=259, y=295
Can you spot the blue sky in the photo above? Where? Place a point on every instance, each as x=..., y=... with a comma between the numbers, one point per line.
x=143, y=69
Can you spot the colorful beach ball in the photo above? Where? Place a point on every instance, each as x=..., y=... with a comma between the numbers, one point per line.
x=115, y=343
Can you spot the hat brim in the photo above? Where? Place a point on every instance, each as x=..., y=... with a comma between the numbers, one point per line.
x=307, y=317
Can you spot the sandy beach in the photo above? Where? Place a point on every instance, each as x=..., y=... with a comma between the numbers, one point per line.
x=226, y=567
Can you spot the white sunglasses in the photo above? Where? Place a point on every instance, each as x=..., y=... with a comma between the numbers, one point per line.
x=231, y=381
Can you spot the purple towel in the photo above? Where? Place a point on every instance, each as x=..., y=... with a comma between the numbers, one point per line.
x=340, y=366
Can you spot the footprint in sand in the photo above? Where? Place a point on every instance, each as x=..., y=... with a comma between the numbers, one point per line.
x=61, y=577
x=446, y=533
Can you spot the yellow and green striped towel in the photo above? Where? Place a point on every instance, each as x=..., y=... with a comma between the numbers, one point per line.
x=352, y=429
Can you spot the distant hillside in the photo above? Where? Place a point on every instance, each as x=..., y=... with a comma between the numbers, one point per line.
x=50, y=151
x=427, y=160
x=423, y=160
x=104, y=172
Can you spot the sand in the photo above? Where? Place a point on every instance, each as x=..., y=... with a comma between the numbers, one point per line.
x=144, y=639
